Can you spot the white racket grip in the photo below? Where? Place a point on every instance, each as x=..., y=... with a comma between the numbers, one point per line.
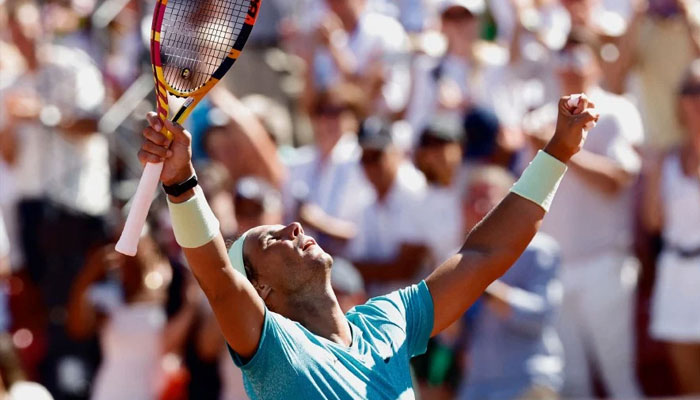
x=140, y=204
x=573, y=102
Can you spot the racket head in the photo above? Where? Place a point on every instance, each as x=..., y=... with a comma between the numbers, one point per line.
x=195, y=42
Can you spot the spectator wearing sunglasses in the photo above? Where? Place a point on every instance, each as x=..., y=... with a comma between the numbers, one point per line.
x=326, y=184
x=592, y=220
x=391, y=249
x=671, y=207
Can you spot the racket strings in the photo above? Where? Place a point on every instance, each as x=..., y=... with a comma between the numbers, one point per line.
x=196, y=37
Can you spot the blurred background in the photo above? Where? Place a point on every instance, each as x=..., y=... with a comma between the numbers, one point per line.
x=389, y=128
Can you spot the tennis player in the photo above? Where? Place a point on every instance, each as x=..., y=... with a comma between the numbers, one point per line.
x=271, y=291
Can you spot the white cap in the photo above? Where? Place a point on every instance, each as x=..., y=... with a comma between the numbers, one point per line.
x=476, y=7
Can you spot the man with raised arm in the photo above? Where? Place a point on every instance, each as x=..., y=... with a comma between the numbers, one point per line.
x=272, y=296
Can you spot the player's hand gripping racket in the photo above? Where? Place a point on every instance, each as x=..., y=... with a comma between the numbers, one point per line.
x=193, y=44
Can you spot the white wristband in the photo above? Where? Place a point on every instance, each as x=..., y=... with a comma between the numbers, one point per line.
x=540, y=180
x=194, y=224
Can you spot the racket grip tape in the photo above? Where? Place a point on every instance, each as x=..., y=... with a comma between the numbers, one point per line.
x=140, y=204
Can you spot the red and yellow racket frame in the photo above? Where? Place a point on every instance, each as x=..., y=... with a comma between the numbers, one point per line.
x=162, y=87
x=141, y=202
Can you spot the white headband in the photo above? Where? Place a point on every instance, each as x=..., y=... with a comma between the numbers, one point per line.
x=235, y=254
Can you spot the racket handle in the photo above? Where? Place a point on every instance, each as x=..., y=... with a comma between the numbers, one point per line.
x=140, y=204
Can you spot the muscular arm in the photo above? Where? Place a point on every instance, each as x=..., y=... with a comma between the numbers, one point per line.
x=490, y=249
x=601, y=172
x=237, y=306
x=496, y=242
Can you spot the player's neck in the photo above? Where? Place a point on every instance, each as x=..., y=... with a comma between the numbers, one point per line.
x=321, y=314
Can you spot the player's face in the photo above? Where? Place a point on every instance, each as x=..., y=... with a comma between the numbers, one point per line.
x=286, y=259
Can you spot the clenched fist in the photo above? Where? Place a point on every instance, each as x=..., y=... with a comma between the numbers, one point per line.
x=573, y=123
x=176, y=154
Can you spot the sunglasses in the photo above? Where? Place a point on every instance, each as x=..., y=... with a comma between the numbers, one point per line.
x=691, y=90
x=371, y=156
x=329, y=111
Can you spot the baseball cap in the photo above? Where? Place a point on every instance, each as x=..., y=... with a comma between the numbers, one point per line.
x=259, y=191
x=375, y=134
x=476, y=7
x=443, y=128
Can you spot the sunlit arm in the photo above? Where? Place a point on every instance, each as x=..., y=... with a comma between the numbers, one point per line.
x=489, y=250
x=237, y=306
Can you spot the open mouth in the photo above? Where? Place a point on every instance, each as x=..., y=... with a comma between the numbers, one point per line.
x=308, y=244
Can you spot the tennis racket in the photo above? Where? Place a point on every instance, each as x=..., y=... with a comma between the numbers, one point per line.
x=193, y=44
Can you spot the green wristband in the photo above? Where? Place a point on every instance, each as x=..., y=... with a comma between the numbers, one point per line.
x=194, y=224
x=540, y=180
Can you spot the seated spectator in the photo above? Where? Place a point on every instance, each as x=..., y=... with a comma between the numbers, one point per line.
x=671, y=208
x=392, y=249
x=514, y=351
x=438, y=157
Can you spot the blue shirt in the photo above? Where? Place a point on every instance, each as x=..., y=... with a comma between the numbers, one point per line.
x=508, y=356
x=293, y=363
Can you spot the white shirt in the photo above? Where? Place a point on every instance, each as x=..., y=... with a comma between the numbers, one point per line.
x=4, y=241
x=681, y=205
x=339, y=186
x=377, y=37
x=441, y=222
x=384, y=226
x=585, y=221
x=71, y=169
x=489, y=85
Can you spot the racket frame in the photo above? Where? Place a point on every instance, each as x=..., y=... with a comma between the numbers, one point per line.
x=128, y=242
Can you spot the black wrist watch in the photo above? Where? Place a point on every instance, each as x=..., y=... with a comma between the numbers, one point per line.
x=182, y=187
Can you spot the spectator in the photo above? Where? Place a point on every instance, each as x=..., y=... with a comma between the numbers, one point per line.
x=392, y=248
x=671, y=207
x=227, y=127
x=514, y=351
x=323, y=176
x=364, y=48
x=216, y=185
x=122, y=299
x=661, y=40
x=592, y=221
x=439, y=156
x=256, y=203
x=347, y=284
x=60, y=168
x=470, y=73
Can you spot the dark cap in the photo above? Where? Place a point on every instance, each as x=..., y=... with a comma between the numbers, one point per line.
x=444, y=128
x=259, y=191
x=375, y=133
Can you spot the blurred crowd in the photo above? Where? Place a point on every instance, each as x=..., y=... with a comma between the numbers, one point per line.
x=388, y=128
